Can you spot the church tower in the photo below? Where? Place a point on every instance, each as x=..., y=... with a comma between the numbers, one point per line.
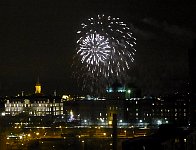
x=38, y=87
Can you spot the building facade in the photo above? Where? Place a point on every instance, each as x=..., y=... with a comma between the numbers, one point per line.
x=142, y=112
x=34, y=106
x=87, y=111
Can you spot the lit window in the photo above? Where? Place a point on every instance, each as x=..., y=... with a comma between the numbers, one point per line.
x=110, y=122
x=176, y=140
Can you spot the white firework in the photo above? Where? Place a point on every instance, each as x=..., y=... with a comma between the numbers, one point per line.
x=94, y=49
x=105, y=48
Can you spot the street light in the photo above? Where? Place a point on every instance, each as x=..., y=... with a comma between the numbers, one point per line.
x=125, y=132
x=159, y=122
x=82, y=144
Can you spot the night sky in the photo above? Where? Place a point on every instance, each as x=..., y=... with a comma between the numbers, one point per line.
x=38, y=38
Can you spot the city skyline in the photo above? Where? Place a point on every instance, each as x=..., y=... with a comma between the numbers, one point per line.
x=39, y=39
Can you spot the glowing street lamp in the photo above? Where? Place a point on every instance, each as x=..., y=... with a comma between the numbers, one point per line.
x=159, y=122
x=125, y=132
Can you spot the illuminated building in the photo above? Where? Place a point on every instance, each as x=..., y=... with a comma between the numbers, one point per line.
x=141, y=112
x=131, y=111
x=34, y=105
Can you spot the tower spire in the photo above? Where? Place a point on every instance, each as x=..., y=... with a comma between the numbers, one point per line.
x=38, y=87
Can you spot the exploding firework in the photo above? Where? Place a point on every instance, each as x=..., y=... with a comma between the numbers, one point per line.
x=94, y=51
x=105, y=50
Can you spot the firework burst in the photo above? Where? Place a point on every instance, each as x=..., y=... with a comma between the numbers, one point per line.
x=105, y=51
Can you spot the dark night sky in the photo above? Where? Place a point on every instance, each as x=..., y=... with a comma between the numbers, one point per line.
x=37, y=38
